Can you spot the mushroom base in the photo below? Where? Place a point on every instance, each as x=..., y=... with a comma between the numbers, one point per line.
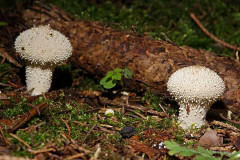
x=38, y=80
x=192, y=115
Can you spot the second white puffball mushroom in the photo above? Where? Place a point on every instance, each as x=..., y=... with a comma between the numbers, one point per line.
x=42, y=48
x=195, y=88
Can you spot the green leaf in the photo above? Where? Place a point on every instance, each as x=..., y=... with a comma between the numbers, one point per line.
x=201, y=157
x=106, y=78
x=117, y=70
x=187, y=152
x=117, y=76
x=204, y=151
x=171, y=144
x=103, y=80
x=111, y=79
x=127, y=73
x=109, y=84
x=109, y=74
x=177, y=149
x=200, y=153
x=235, y=155
x=207, y=154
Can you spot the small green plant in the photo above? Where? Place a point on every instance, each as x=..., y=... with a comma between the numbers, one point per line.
x=200, y=153
x=115, y=76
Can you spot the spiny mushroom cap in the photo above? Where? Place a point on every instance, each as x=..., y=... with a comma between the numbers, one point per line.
x=43, y=45
x=195, y=84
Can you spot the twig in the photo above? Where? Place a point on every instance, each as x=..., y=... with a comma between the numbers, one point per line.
x=237, y=56
x=105, y=130
x=8, y=157
x=20, y=122
x=3, y=137
x=96, y=154
x=76, y=156
x=13, y=85
x=110, y=127
x=68, y=128
x=225, y=125
x=192, y=15
x=4, y=54
x=6, y=72
x=138, y=114
x=88, y=133
x=132, y=115
x=19, y=89
x=166, y=37
x=106, y=101
x=37, y=109
x=3, y=60
x=5, y=85
x=162, y=108
x=33, y=127
x=41, y=150
x=20, y=140
x=74, y=143
x=229, y=120
x=222, y=149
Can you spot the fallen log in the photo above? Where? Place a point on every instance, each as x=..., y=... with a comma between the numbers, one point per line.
x=98, y=48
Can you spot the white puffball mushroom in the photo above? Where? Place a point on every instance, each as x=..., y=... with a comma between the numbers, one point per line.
x=42, y=48
x=195, y=88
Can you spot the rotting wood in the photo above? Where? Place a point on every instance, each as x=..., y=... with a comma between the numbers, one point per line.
x=98, y=48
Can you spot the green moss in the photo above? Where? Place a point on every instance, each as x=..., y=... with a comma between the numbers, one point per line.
x=22, y=153
x=156, y=101
x=51, y=126
x=17, y=109
x=5, y=67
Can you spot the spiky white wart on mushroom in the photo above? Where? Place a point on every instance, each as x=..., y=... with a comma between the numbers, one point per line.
x=195, y=88
x=42, y=48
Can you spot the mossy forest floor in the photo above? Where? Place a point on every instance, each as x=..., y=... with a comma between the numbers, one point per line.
x=69, y=122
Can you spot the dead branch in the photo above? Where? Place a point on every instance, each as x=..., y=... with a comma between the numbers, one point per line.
x=68, y=127
x=229, y=120
x=20, y=140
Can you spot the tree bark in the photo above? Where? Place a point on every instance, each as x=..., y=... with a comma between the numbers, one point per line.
x=98, y=48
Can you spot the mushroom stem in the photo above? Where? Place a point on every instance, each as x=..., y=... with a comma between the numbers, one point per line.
x=38, y=79
x=192, y=114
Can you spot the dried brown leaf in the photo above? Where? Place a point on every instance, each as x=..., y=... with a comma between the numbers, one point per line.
x=210, y=139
